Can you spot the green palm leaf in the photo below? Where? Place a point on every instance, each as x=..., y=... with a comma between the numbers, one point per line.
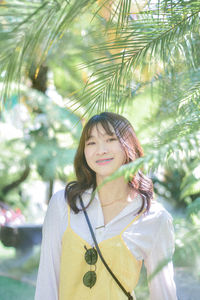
x=177, y=150
x=141, y=40
x=29, y=30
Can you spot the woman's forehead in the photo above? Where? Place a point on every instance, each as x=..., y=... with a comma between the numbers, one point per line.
x=100, y=129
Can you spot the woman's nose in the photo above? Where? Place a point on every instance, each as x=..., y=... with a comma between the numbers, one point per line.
x=102, y=148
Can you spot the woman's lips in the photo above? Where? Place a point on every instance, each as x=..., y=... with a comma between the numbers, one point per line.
x=103, y=161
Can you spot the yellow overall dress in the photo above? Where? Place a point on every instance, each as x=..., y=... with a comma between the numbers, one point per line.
x=73, y=267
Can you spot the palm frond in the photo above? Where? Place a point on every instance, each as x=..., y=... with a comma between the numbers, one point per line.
x=178, y=149
x=28, y=31
x=190, y=103
x=192, y=188
x=115, y=12
x=194, y=207
x=171, y=89
x=149, y=36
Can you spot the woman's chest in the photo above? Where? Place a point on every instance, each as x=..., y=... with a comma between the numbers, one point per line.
x=112, y=212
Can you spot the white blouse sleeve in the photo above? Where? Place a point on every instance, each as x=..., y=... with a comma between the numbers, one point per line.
x=49, y=267
x=159, y=262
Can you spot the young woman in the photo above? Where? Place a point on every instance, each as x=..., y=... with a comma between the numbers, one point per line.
x=129, y=226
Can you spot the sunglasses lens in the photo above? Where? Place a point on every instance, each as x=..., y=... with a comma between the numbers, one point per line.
x=91, y=256
x=89, y=279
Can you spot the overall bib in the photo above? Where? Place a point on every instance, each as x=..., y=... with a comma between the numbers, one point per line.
x=73, y=267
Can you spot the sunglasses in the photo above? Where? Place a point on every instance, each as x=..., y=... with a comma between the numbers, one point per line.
x=90, y=277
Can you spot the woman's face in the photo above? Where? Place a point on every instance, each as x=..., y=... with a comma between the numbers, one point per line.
x=103, y=153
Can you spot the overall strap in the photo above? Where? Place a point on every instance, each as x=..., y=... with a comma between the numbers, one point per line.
x=135, y=219
x=68, y=215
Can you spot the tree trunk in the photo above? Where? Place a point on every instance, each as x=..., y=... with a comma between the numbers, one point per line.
x=15, y=183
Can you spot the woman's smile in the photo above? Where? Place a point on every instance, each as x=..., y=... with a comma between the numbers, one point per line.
x=104, y=161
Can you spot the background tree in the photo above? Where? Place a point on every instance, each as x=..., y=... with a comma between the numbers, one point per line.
x=45, y=143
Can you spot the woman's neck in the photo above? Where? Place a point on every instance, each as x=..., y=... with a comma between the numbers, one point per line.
x=114, y=191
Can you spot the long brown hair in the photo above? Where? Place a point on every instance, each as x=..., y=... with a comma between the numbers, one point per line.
x=86, y=177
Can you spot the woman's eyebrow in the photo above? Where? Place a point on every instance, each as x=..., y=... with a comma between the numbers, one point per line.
x=90, y=137
x=111, y=134
x=106, y=134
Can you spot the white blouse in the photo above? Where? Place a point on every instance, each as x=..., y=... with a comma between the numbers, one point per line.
x=150, y=238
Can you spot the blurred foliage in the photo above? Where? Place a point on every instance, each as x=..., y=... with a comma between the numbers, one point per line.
x=180, y=186
x=187, y=244
x=47, y=143
x=53, y=137
x=193, y=210
x=12, y=165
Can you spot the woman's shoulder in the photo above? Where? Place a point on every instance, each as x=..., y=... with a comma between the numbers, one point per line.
x=59, y=194
x=157, y=214
x=58, y=199
x=153, y=228
x=57, y=208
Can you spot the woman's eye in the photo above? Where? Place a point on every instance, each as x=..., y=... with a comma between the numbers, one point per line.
x=90, y=143
x=112, y=139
